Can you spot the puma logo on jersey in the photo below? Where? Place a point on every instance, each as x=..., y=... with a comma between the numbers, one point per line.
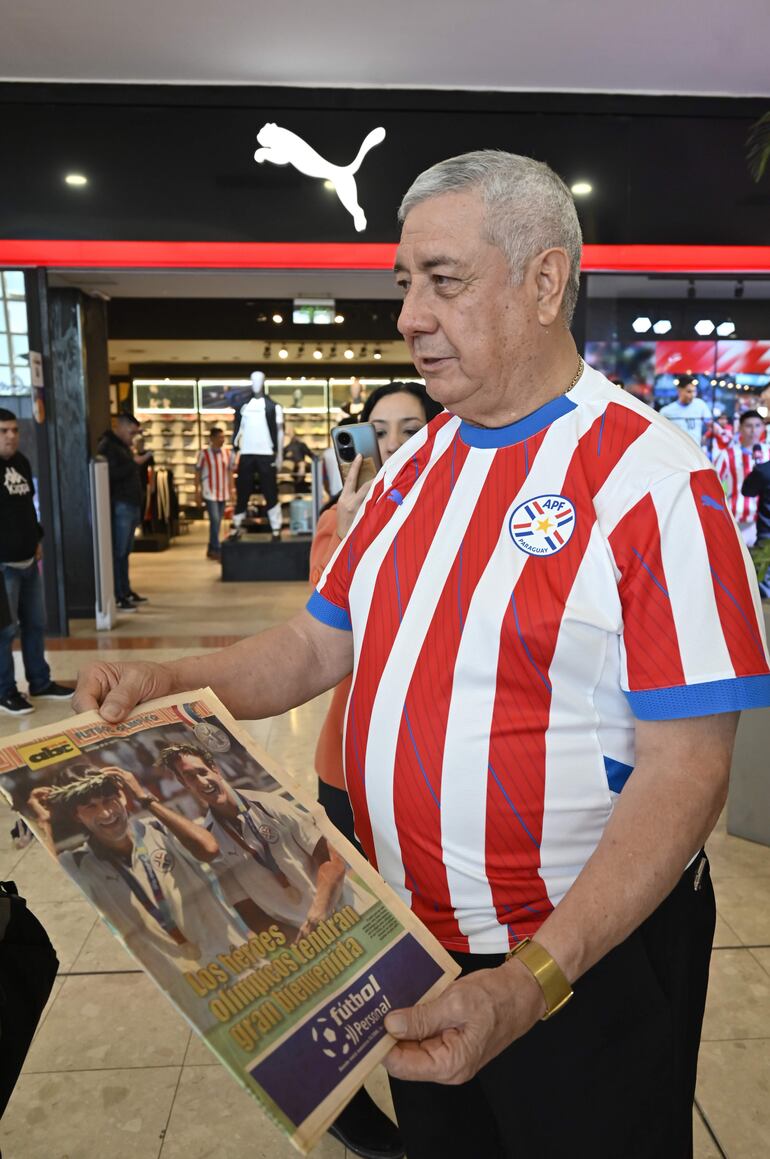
x=282, y=147
x=14, y=483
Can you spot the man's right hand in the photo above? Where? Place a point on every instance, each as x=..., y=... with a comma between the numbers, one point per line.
x=116, y=689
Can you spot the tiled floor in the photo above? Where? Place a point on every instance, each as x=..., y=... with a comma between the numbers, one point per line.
x=114, y=1071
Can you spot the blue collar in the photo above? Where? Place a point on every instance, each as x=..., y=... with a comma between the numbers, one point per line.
x=492, y=437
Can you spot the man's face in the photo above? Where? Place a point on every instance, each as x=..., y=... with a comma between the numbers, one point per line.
x=687, y=393
x=126, y=432
x=206, y=785
x=9, y=438
x=751, y=431
x=218, y=440
x=463, y=321
x=105, y=818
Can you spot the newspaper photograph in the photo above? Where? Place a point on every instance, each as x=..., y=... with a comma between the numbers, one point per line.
x=267, y=930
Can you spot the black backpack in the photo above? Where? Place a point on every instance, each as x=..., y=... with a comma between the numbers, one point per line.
x=28, y=966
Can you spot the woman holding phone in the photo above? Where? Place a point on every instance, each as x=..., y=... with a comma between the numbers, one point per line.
x=396, y=412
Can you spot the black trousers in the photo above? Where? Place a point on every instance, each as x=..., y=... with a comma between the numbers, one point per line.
x=612, y=1076
x=256, y=473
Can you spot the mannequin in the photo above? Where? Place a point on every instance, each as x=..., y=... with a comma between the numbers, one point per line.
x=258, y=436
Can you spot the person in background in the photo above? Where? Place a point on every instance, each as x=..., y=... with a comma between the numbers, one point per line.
x=735, y=464
x=720, y=435
x=125, y=503
x=20, y=555
x=756, y=487
x=145, y=461
x=689, y=412
x=397, y=412
x=214, y=484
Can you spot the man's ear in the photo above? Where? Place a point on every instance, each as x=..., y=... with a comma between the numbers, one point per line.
x=549, y=274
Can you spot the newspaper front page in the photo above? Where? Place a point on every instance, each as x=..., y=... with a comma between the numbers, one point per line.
x=268, y=931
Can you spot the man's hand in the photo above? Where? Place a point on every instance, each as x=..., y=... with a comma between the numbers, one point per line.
x=115, y=689
x=351, y=498
x=450, y=1039
x=129, y=782
x=37, y=803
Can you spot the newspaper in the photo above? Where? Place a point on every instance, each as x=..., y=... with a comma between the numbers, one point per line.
x=267, y=930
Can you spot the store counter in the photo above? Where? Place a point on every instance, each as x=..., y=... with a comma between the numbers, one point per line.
x=259, y=558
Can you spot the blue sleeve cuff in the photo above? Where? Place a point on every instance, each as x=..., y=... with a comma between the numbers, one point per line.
x=706, y=699
x=328, y=613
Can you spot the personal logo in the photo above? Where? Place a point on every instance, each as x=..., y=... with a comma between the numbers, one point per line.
x=162, y=860
x=543, y=525
x=15, y=483
x=282, y=147
x=268, y=834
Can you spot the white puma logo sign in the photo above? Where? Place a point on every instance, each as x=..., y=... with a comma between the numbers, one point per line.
x=282, y=147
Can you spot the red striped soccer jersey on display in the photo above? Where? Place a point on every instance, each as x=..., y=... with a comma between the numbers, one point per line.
x=214, y=467
x=518, y=598
x=732, y=466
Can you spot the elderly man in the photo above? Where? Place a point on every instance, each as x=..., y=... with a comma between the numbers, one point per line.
x=552, y=626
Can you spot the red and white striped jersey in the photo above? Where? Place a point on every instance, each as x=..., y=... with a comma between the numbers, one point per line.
x=732, y=467
x=214, y=469
x=518, y=597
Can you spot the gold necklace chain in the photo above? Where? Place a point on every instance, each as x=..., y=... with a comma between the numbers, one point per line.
x=576, y=379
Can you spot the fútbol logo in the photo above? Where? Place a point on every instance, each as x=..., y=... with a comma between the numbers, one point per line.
x=350, y=1020
x=325, y=1035
x=543, y=525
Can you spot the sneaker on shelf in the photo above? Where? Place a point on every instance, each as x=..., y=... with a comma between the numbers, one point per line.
x=16, y=705
x=135, y=598
x=53, y=691
x=125, y=605
x=235, y=533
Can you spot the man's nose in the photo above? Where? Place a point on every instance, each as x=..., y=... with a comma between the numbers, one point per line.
x=416, y=317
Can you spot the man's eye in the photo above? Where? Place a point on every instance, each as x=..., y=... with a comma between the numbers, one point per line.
x=402, y=284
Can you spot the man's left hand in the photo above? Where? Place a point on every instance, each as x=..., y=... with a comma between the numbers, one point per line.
x=451, y=1038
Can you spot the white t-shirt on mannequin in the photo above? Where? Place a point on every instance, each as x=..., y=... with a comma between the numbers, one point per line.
x=253, y=436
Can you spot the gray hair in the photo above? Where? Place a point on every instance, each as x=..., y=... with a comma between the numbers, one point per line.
x=528, y=208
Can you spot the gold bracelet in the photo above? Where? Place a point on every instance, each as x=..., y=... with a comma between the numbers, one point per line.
x=548, y=975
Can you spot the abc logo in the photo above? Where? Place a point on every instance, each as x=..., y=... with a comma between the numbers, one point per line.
x=325, y=1036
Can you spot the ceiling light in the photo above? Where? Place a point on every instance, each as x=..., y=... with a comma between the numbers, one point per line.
x=349, y=353
x=268, y=351
x=283, y=352
x=76, y=179
x=641, y=325
x=582, y=188
x=318, y=352
x=278, y=318
x=662, y=326
x=704, y=327
x=329, y=184
x=377, y=354
x=364, y=351
x=725, y=329
x=339, y=318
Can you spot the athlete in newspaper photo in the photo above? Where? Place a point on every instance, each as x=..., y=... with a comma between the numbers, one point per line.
x=273, y=859
x=144, y=866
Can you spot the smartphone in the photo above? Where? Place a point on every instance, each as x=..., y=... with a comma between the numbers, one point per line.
x=357, y=439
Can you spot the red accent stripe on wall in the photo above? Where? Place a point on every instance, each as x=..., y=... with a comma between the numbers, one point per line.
x=185, y=255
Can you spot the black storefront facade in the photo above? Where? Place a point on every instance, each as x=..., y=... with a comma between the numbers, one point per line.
x=673, y=215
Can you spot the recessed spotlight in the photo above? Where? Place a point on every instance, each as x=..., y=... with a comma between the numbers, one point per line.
x=641, y=325
x=725, y=329
x=76, y=179
x=278, y=318
x=377, y=354
x=582, y=188
x=349, y=353
x=662, y=326
x=339, y=318
x=329, y=184
x=318, y=352
x=283, y=352
x=704, y=327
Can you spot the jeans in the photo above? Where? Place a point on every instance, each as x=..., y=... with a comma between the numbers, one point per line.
x=216, y=510
x=125, y=520
x=24, y=586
